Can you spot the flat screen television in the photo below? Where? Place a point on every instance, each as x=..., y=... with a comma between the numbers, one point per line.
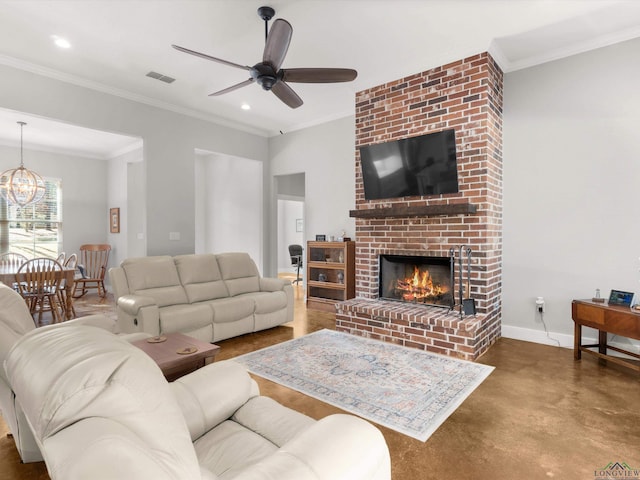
x=422, y=165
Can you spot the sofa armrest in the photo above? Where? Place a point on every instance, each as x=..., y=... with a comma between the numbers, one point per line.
x=138, y=313
x=268, y=284
x=99, y=320
x=118, y=280
x=338, y=447
x=131, y=304
x=273, y=284
x=211, y=395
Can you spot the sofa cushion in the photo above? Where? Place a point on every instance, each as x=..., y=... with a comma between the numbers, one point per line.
x=230, y=448
x=200, y=277
x=155, y=277
x=185, y=318
x=239, y=273
x=231, y=309
x=267, y=302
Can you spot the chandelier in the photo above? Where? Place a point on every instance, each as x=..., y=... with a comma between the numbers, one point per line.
x=21, y=185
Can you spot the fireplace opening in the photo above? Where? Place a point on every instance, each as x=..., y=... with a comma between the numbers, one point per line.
x=417, y=279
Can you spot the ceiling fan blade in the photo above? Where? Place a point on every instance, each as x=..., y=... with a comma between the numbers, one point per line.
x=209, y=57
x=277, y=43
x=285, y=93
x=318, y=75
x=232, y=88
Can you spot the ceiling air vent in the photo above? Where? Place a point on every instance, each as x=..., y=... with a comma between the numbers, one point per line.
x=162, y=78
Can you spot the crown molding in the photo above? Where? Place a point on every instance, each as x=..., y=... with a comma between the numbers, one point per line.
x=557, y=54
x=319, y=121
x=102, y=88
x=137, y=145
x=69, y=152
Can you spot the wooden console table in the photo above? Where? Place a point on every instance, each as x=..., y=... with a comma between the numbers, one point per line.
x=606, y=319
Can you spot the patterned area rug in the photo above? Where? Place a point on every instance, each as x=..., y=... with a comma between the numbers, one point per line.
x=405, y=389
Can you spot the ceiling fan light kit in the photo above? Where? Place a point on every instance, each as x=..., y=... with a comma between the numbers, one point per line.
x=268, y=73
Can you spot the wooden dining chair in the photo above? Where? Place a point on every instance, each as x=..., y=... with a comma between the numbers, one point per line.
x=92, y=263
x=11, y=262
x=70, y=263
x=39, y=285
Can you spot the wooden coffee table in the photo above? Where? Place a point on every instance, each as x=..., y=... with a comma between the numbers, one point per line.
x=179, y=354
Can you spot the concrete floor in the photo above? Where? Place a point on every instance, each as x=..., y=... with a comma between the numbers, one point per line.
x=539, y=415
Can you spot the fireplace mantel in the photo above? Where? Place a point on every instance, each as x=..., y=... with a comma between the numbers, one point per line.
x=414, y=211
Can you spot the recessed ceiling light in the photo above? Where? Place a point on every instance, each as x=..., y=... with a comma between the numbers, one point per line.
x=61, y=42
x=245, y=106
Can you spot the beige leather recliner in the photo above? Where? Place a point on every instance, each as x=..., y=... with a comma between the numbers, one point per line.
x=15, y=322
x=101, y=409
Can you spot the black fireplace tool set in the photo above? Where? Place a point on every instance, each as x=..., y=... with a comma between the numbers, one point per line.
x=467, y=305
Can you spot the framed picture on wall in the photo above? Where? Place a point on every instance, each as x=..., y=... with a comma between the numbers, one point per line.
x=114, y=220
x=298, y=224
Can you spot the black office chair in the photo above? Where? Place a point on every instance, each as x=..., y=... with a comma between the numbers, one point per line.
x=295, y=252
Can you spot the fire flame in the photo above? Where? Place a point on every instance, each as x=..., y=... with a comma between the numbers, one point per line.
x=419, y=286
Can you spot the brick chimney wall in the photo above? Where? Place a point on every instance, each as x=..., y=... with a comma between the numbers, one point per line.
x=465, y=95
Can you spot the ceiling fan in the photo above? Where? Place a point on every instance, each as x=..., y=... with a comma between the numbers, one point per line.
x=268, y=73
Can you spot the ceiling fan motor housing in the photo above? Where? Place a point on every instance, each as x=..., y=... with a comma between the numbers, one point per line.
x=266, y=13
x=264, y=74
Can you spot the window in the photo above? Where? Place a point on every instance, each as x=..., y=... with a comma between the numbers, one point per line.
x=34, y=230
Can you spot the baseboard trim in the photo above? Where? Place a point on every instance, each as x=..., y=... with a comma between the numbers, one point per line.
x=538, y=336
x=566, y=341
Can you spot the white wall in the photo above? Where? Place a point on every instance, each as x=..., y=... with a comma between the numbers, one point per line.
x=169, y=142
x=136, y=208
x=571, y=176
x=229, y=206
x=325, y=154
x=126, y=192
x=84, y=192
x=117, y=198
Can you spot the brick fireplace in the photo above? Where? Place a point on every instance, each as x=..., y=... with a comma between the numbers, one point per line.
x=467, y=96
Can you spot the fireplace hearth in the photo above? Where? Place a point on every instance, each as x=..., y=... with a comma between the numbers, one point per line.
x=417, y=279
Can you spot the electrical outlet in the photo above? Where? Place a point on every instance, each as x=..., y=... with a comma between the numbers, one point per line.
x=540, y=305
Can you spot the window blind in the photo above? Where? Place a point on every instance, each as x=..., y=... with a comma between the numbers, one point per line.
x=35, y=230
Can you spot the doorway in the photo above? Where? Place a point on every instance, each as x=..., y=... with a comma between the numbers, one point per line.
x=290, y=220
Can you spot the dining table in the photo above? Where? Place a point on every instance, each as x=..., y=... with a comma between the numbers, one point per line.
x=9, y=275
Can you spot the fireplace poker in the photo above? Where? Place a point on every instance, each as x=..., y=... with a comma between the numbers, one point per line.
x=452, y=261
x=469, y=304
x=460, y=269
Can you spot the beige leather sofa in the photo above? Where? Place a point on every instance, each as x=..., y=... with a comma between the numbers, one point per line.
x=209, y=297
x=15, y=322
x=101, y=409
